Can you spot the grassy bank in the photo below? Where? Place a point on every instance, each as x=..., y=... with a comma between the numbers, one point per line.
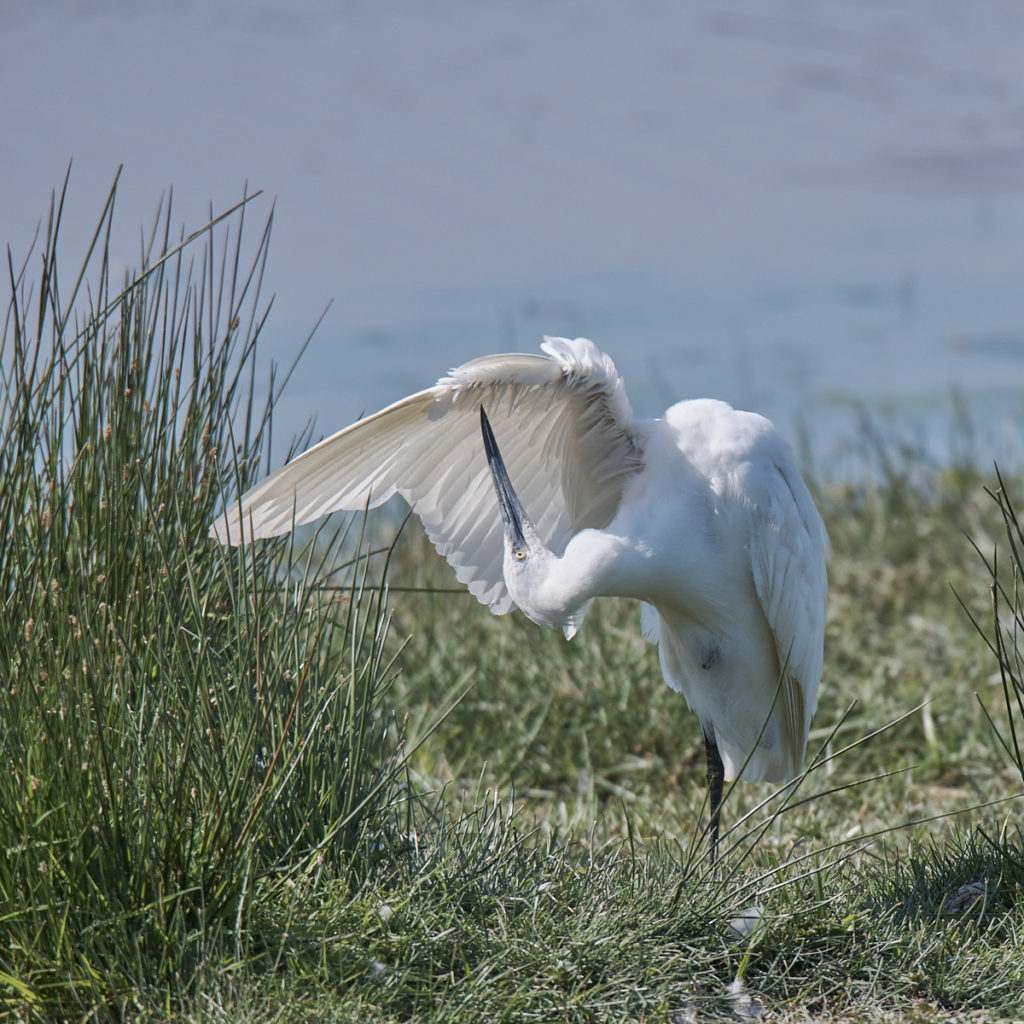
x=230, y=793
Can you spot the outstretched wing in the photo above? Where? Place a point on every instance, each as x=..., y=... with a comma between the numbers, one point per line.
x=566, y=434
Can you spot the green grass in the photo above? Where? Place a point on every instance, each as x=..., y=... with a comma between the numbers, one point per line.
x=230, y=793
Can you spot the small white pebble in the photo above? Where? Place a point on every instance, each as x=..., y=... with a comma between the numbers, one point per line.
x=747, y=921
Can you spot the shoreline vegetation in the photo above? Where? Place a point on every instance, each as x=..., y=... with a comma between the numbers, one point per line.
x=311, y=780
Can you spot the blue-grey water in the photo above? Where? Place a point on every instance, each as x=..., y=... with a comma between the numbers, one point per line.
x=803, y=208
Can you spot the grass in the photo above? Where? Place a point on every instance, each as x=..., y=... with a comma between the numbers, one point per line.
x=231, y=793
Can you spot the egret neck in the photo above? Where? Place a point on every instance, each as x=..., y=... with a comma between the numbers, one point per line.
x=549, y=589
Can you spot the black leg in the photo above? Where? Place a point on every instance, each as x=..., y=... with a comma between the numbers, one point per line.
x=716, y=776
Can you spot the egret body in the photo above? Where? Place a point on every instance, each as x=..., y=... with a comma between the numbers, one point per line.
x=702, y=515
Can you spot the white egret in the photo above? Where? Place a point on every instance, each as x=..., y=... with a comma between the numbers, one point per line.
x=702, y=515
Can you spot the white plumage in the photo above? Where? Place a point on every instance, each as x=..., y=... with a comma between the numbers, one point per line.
x=702, y=515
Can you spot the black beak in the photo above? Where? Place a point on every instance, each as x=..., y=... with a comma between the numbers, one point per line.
x=512, y=514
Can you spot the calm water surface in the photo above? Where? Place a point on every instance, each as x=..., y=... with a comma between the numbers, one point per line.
x=803, y=208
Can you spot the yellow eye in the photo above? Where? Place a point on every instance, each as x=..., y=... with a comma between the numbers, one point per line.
x=518, y=554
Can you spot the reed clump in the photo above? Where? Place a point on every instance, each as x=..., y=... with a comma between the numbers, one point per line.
x=181, y=725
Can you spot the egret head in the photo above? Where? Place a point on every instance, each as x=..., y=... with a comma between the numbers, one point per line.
x=529, y=565
x=519, y=530
x=513, y=516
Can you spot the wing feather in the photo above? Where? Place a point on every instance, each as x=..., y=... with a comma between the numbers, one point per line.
x=788, y=554
x=566, y=434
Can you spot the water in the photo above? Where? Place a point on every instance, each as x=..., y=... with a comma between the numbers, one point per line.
x=803, y=208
